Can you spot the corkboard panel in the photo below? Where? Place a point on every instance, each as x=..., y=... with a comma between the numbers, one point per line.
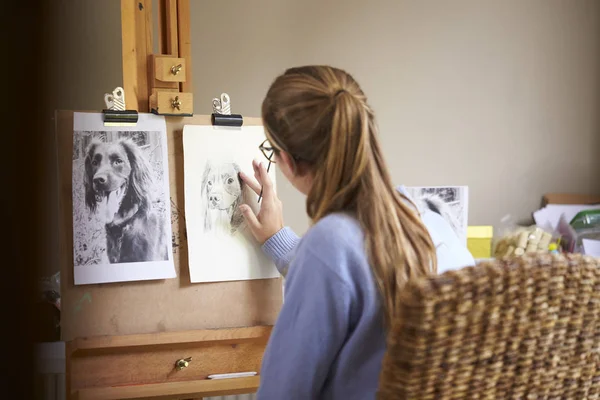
x=154, y=306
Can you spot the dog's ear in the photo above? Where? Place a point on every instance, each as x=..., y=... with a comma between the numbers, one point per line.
x=204, y=196
x=88, y=175
x=140, y=180
x=205, y=176
x=243, y=188
x=237, y=218
x=237, y=170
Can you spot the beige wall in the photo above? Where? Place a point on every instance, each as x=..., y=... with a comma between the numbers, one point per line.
x=502, y=96
x=84, y=52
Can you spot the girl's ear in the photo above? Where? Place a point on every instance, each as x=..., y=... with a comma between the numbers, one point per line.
x=285, y=162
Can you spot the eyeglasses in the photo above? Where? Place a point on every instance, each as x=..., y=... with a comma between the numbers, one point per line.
x=269, y=152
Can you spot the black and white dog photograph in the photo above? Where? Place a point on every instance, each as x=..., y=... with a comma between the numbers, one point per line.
x=121, y=203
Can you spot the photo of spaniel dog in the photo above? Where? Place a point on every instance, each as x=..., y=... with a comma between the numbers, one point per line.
x=118, y=185
x=222, y=194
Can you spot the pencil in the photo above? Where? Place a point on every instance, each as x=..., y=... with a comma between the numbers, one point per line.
x=261, y=188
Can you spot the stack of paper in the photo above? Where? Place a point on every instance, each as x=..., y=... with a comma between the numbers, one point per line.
x=547, y=218
x=557, y=218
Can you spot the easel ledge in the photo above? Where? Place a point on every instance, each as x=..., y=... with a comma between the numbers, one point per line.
x=179, y=390
x=144, y=366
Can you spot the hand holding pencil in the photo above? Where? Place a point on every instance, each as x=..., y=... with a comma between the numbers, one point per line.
x=269, y=219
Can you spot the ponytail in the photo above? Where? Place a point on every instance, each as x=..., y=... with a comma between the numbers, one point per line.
x=345, y=160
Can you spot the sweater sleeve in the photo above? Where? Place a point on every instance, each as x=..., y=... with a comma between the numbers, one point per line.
x=280, y=248
x=310, y=331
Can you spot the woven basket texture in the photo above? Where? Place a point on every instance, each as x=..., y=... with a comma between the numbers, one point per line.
x=518, y=328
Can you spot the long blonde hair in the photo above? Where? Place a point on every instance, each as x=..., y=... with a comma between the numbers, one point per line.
x=320, y=117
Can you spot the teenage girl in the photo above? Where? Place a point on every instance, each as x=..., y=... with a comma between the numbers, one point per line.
x=343, y=278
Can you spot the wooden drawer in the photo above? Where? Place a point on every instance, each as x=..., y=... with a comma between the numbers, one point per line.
x=144, y=366
x=171, y=102
x=168, y=68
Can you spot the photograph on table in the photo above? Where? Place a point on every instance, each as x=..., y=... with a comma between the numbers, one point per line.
x=121, y=206
x=451, y=202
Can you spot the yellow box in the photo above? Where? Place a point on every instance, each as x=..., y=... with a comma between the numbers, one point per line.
x=479, y=241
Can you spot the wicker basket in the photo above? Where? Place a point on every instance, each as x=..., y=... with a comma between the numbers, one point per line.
x=521, y=328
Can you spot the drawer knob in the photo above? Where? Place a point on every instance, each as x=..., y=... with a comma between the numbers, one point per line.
x=183, y=363
x=175, y=69
x=176, y=103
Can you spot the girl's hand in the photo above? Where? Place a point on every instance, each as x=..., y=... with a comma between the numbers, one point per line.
x=269, y=219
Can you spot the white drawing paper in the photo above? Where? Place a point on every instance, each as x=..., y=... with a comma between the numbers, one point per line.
x=451, y=202
x=220, y=245
x=121, y=207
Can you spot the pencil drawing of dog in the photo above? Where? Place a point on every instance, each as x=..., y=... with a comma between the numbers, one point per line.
x=118, y=186
x=222, y=194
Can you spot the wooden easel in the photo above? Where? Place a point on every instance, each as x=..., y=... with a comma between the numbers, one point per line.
x=124, y=340
x=155, y=80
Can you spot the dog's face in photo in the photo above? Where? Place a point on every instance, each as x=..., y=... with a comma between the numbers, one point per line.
x=222, y=191
x=115, y=173
x=110, y=170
